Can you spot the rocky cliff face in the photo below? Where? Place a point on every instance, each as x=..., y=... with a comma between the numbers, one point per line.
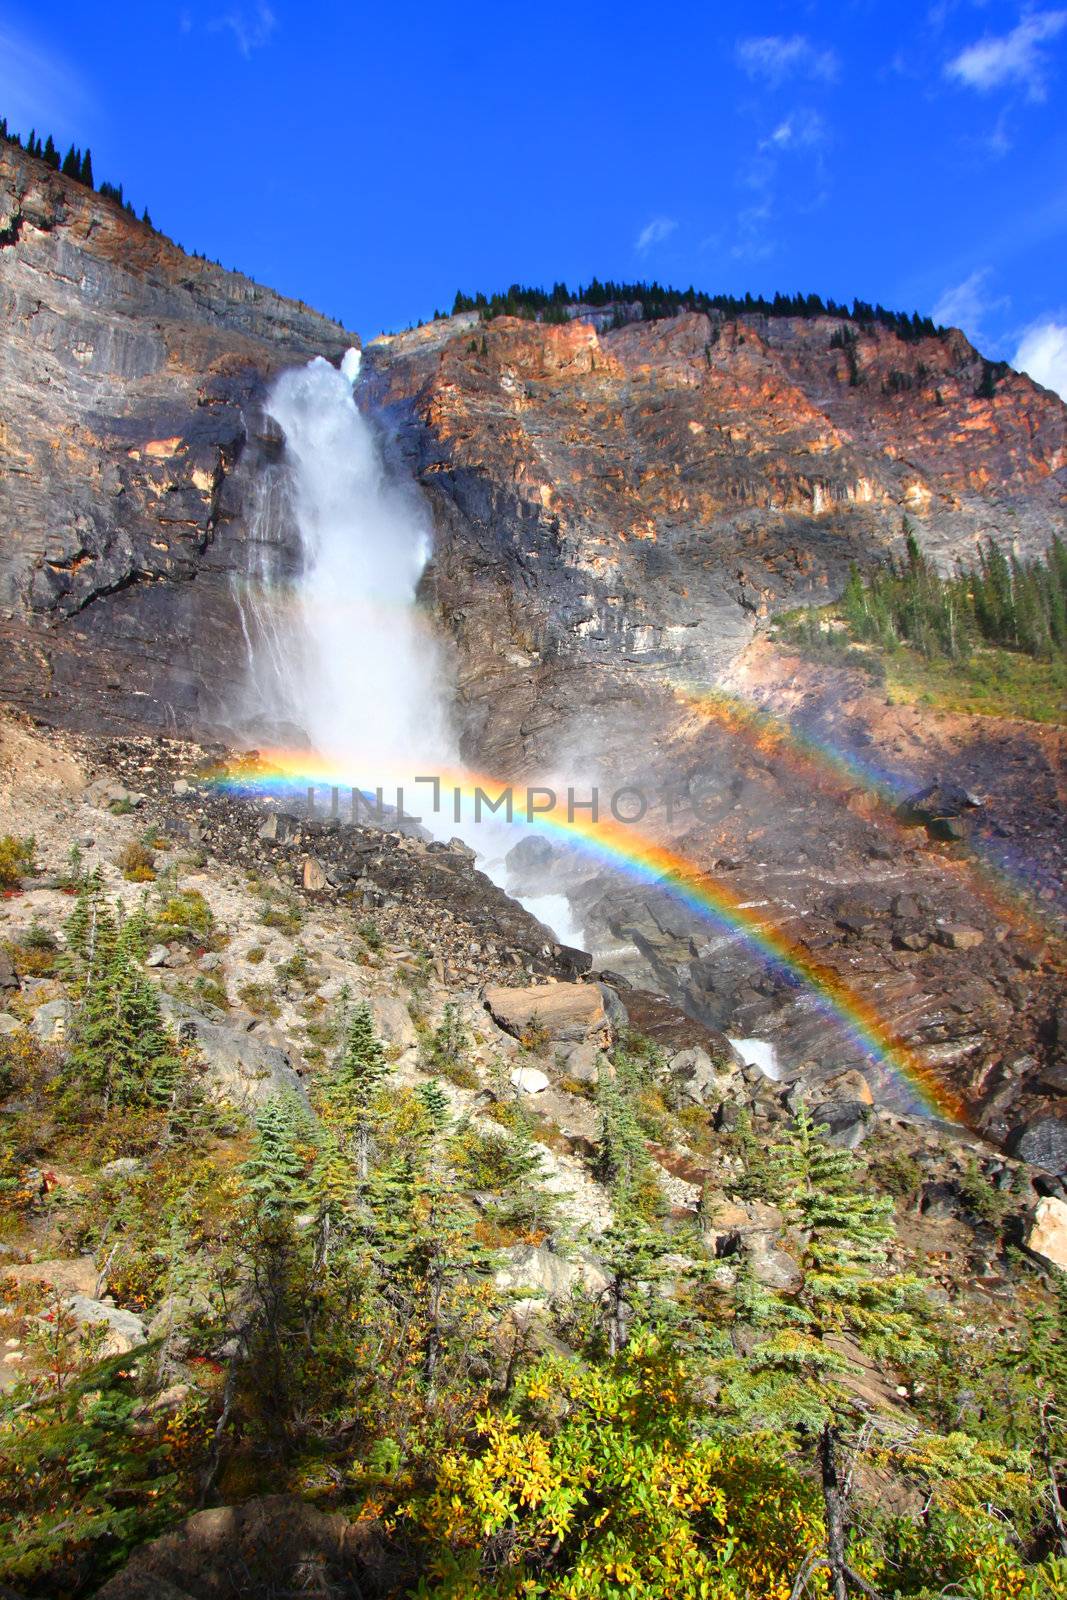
x=621, y=507
x=617, y=509
x=130, y=382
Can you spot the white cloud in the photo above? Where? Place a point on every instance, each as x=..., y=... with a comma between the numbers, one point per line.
x=39, y=90
x=1013, y=58
x=1042, y=353
x=251, y=27
x=654, y=232
x=774, y=58
x=800, y=130
x=967, y=304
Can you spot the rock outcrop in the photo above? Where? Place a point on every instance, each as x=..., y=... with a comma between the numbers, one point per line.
x=131, y=377
x=620, y=506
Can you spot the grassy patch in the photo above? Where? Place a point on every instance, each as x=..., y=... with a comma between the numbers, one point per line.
x=990, y=682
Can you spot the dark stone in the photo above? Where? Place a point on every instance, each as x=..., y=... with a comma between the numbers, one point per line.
x=1042, y=1142
x=938, y=803
x=729, y=1116
x=939, y=1200
x=8, y=980
x=845, y=1121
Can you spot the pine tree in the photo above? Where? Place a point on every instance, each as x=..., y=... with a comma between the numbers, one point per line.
x=121, y=1052
x=86, y=174
x=80, y=928
x=435, y=1102
x=797, y=1378
x=275, y=1171
x=354, y=1083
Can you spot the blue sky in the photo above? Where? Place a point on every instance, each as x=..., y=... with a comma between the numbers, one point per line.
x=372, y=160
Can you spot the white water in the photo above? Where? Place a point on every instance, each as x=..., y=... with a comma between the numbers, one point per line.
x=759, y=1053
x=364, y=678
x=345, y=661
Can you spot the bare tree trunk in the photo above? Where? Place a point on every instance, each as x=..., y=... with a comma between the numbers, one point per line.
x=1055, y=1500
x=835, y=1515
x=618, y=1329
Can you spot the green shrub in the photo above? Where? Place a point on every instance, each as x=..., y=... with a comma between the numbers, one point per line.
x=16, y=860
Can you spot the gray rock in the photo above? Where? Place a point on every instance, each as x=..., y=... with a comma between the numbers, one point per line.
x=939, y=1201
x=8, y=1024
x=124, y=1331
x=537, y=1270
x=694, y=1076
x=582, y=1063
x=122, y=1167
x=8, y=979
x=845, y=1120
x=729, y=1116
x=314, y=876
x=240, y=1068
x=277, y=828
x=157, y=956
x=1043, y=1143
x=51, y=1022
x=775, y=1268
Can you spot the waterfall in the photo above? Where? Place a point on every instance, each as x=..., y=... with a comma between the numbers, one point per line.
x=341, y=661
x=340, y=654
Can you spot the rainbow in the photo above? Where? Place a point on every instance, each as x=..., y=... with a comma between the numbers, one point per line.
x=839, y=773
x=623, y=847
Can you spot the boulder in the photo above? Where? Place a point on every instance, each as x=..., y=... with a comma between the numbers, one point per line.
x=8, y=978
x=938, y=806
x=105, y=792
x=561, y=1012
x=277, y=1544
x=954, y=936
x=529, y=1080
x=1048, y=1236
x=847, y=1085
x=241, y=1068
x=124, y=1331
x=939, y=1200
x=582, y=1063
x=1043, y=1143
x=313, y=875
x=77, y=1276
x=392, y=1018
x=845, y=1121
x=8, y=1024
x=774, y=1268
x=51, y=1022
x=157, y=956
x=537, y=1270
x=277, y=828
x=694, y=1076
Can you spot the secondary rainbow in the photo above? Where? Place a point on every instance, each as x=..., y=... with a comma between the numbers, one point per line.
x=838, y=773
x=624, y=847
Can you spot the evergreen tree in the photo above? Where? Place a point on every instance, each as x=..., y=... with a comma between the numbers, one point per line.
x=354, y=1083
x=435, y=1101
x=275, y=1171
x=86, y=174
